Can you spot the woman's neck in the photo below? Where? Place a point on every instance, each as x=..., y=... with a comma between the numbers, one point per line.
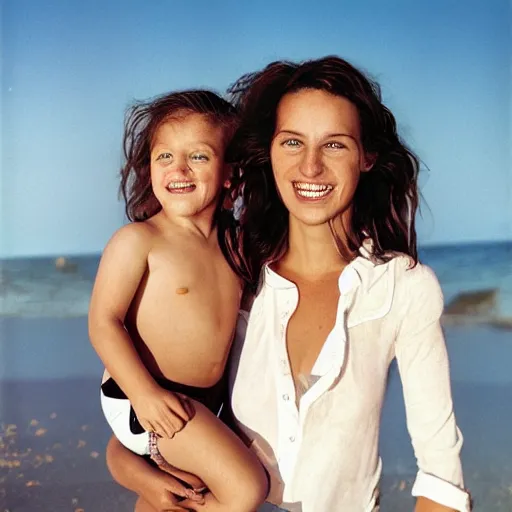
x=312, y=251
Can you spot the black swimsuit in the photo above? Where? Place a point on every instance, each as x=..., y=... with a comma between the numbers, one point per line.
x=212, y=397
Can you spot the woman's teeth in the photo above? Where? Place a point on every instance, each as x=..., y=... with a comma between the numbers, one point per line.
x=312, y=190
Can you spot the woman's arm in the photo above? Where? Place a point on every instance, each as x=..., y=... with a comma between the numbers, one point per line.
x=157, y=488
x=423, y=364
x=227, y=415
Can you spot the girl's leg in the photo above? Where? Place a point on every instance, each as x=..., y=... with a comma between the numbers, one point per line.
x=206, y=447
x=143, y=506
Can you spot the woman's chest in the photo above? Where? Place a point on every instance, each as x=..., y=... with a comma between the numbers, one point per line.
x=353, y=364
x=309, y=326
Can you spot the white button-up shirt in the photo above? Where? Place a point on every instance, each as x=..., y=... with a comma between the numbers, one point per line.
x=322, y=456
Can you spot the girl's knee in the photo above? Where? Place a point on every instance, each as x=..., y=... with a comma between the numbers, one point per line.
x=143, y=506
x=262, y=485
x=253, y=489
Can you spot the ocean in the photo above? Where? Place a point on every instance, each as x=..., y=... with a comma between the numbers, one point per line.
x=53, y=437
x=33, y=287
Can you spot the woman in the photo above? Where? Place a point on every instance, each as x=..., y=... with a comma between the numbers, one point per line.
x=326, y=239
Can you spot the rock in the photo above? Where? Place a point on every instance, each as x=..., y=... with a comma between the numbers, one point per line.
x=61, y=262
x=476, y=308
x=64, y=265
x=480, y=302
x=502, y=323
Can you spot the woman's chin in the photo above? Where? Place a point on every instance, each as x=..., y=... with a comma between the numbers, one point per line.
x=311, y=219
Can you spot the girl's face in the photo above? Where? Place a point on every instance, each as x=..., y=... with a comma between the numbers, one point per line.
x=317, y=155
x=187, y=164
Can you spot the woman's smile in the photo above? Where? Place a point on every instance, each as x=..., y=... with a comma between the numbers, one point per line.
x=312, y=191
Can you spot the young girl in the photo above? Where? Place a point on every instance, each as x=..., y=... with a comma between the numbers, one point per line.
x=165, y=302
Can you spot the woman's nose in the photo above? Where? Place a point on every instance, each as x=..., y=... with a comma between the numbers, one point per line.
x=311, y=166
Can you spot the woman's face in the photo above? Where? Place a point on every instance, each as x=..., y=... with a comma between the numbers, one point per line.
x=317, y=155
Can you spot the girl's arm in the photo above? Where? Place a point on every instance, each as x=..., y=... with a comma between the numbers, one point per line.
x=122, y=268
x=423, y=364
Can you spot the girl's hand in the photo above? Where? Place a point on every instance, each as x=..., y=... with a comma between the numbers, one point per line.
x=162, y=412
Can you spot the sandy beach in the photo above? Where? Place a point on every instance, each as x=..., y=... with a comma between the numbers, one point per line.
x=53, y=435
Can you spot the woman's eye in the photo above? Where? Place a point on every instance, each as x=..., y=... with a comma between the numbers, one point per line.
x=164, y=156
x=291, y=143
x=335, y=145
x=200, y=157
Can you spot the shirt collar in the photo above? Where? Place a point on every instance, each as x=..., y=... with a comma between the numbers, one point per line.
x=363, y=270
x=275, y=280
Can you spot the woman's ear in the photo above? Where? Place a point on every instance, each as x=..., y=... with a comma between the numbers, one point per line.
x=368, y=161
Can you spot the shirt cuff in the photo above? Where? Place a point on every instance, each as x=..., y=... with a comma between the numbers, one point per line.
x=442, y=492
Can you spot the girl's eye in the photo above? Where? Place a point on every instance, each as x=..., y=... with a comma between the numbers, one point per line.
x=164, y=156
x=335, y=145
x=200, y=157
x=291, y=143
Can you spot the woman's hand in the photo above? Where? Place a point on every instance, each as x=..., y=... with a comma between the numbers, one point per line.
x=161, y=495
x=162, y=412
x=158, y=489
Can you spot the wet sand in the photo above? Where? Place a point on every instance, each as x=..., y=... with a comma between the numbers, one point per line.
x=53, y=435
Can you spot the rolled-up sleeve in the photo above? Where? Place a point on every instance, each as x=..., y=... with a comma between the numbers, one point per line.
x=424, y=369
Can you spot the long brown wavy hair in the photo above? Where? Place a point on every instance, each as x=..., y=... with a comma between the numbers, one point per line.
x=386, y=198
x=141, y=123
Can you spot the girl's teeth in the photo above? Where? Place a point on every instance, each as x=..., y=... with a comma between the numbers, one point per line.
x=178, y=185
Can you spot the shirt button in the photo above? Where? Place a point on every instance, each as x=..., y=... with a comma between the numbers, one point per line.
x=286, y=397
x=292, y=439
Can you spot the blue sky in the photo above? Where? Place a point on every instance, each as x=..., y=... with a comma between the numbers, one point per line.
x=70, y=68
